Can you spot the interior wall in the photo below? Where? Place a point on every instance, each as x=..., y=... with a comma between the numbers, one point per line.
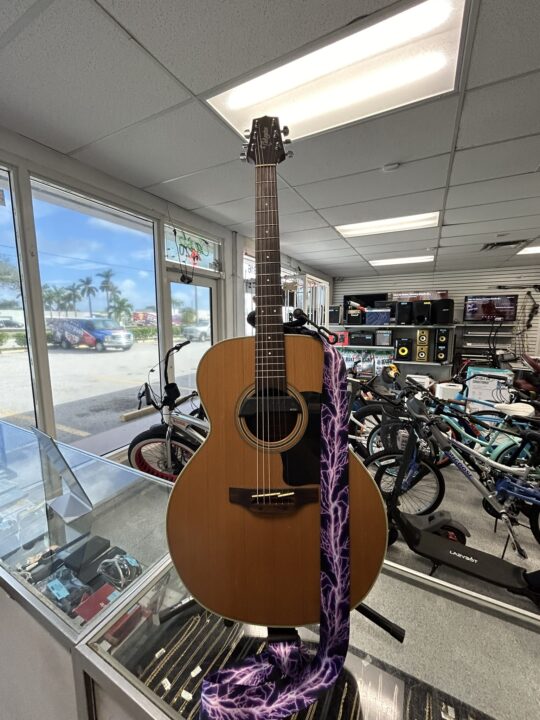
x=458, y=283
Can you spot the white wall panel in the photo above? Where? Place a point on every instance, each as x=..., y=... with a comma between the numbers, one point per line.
x=458, y=284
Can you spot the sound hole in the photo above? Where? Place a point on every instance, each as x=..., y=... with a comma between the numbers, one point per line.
x=270, y=415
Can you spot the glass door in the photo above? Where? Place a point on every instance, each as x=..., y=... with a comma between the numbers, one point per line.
x=192, y=315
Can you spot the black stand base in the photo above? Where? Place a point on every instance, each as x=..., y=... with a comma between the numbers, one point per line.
x=397, y=632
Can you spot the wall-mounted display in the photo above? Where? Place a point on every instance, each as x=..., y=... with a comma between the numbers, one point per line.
x=487, y=308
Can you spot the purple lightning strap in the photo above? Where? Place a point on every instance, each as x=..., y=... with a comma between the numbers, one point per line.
x=286, y=678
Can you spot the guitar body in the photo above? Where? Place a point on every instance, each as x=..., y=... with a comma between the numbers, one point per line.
x=263, y=567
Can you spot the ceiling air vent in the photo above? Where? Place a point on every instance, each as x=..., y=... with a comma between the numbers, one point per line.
x=508, y=244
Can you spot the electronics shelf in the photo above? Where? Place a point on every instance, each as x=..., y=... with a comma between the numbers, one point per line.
x=397, y=327
x=420, y=362
x=484, y=334
x=367, y=347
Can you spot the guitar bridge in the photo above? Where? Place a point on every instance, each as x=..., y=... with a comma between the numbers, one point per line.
x=273, y=501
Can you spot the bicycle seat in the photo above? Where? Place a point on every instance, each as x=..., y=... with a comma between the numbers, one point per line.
x=516, y=409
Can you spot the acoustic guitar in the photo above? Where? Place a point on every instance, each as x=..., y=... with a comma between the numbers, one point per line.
x=243, y=518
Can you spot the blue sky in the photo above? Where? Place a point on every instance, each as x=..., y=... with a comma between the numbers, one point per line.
x=73, y=245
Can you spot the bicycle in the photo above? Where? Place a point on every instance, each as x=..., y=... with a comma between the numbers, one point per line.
x=165, y=448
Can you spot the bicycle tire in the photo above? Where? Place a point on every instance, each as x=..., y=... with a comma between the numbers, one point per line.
x=534, y=521
x=363, y=414
x=417, y=500
x=146, y=452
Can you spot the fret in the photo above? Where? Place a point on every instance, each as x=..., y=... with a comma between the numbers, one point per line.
x=269, y=338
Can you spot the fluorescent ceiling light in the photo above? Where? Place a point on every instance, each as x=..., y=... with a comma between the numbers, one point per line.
x=404, y=58
x=389, y=225
x=530, y=250
x=403, y=261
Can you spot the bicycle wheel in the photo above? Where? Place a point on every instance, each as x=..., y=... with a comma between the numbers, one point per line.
x=361, y=424
x=425, y=492
x=534, y=521
x=148, y=452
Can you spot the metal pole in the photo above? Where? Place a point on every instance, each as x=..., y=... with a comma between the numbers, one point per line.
x=33, y=301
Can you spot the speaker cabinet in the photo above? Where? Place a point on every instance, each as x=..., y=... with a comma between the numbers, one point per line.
x=361, y=338
x=383, y=338
x=442, y=312
x=404, y=314
x=403, y=348
x=441, y=345
x=334, y=314
x=422, y=337
x=422, y=353
x=422, y=312
x=355, y=317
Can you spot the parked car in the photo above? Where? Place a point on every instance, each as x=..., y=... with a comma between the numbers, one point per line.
x=200, y=331
x=9, y=322
x=99, y=333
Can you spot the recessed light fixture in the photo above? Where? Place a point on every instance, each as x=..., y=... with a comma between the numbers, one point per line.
x=388, y=225
x=401, y=59
x=530, y=250
x=403, y=261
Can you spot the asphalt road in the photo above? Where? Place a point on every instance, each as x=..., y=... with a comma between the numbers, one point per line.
x=91, y=390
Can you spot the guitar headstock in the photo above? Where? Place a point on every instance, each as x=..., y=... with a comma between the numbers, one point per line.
x=265, y=142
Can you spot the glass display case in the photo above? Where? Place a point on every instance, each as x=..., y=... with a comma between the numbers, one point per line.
x=75, y=530
x=149, y=660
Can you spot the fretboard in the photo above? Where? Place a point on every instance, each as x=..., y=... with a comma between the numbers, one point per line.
x=269, y=343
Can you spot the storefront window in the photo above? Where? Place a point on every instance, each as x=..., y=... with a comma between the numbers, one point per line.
x=99, y=300
x=191, y=250
x=16, y=399
x=291, y=283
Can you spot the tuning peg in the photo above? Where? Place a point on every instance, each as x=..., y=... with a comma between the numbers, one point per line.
x=243, y=157
x=285, y=130
x=287, y=142
x=245, y=146
x=247, y=133
x=290, y=154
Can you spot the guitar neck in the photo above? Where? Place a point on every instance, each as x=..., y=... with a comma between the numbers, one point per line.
x=269, y=343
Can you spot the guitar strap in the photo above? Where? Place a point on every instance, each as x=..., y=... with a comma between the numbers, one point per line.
x=286, y=678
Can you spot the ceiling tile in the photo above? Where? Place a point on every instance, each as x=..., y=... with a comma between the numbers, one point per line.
x=220, y=184
x=401, y=136
x=73, y=76
x=473, y=249
x=385, y=208
x=410, y=178
x=314, y=235
x=512, y=157
x=326, y=255
x=10, y=12
x=506, y=41
x=427, y=236
x=317, y=246
x=492, y=226
x=206, y=43
x=175, y=143
x=420, y=247
x=301, y=221
x=481, y=239
x=515, y=187
x=237, y=211
x=495, y=211
x=500, y=112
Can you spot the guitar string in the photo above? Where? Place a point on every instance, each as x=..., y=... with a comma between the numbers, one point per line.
x=268, y=326
x=258, y=320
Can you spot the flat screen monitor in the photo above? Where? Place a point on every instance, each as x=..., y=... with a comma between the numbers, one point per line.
x=487, y=308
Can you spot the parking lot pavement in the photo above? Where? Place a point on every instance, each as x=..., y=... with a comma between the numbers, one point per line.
x=90, y=390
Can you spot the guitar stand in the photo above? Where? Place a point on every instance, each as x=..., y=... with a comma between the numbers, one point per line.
x=397, y=632
x=186, y=608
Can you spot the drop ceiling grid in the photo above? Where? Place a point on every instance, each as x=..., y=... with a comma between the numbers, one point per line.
x=419, y=136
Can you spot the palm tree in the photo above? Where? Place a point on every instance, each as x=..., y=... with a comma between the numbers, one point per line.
x=59, y=299
x=105, y=286
x=88, y=290
x=73, y=295
x=47, y=293
x=120, y=308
